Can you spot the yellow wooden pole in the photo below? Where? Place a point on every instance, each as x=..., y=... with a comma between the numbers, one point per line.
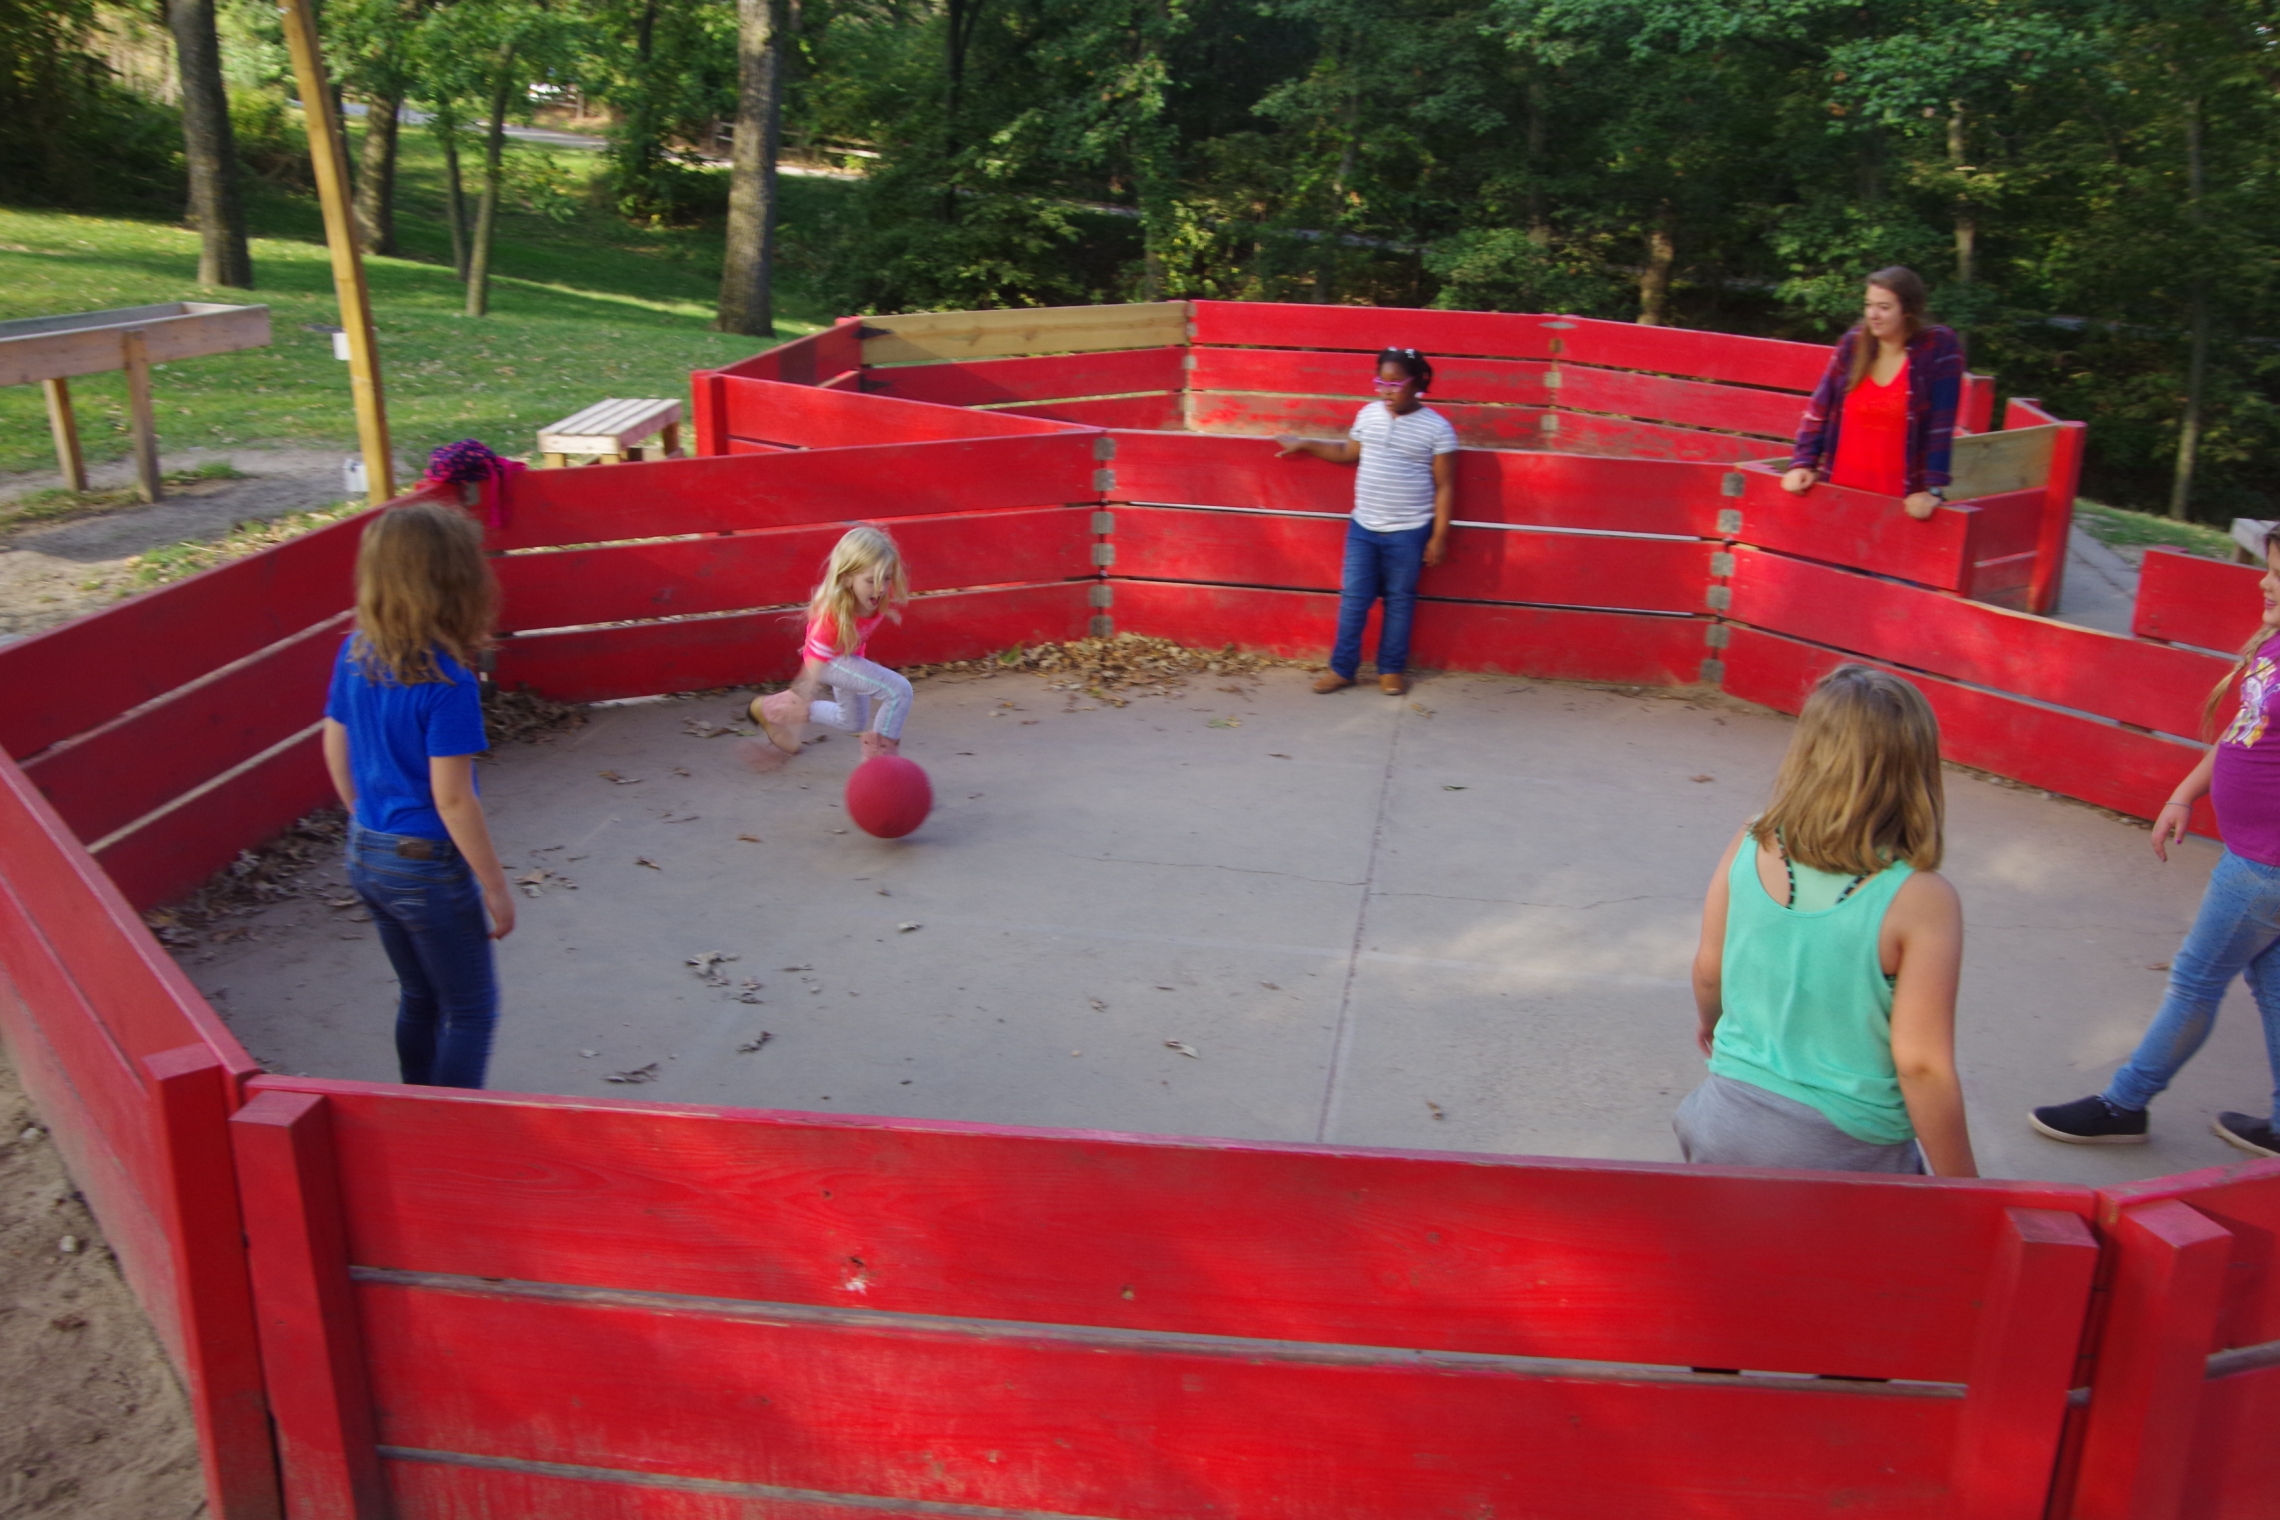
x=65, y=427
x=329, y=156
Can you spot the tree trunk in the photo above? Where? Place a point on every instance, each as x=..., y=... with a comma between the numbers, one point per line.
x=749, y=268
x=1966, y=224
x=1654, y=280
x=2197, y=355
x=637, y=164
x=487, y=212
x=376, y=175
x=1539, y=222
x=454, y=188
x=216, y=208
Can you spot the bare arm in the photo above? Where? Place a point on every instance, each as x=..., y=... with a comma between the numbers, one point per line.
x=452, y=779
x=335, y=743
x=1924, y=928
x=1710, y=955
x=1444, y=505
x=1337, y=451
x=2176, y=815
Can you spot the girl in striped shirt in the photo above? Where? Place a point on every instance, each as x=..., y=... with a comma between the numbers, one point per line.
x=1404, y=490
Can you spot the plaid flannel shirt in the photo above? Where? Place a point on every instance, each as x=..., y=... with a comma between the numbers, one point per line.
x=1935, y=390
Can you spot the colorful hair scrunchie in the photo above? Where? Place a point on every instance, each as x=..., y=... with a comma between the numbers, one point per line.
x=471, y=462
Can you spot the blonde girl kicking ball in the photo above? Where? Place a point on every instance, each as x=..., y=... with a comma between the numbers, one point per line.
x=1831, y=946
x=863, y=584
x=403, y=725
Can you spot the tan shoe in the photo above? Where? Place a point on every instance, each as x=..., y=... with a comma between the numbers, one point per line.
x=1330, y=681
x=1393, y=683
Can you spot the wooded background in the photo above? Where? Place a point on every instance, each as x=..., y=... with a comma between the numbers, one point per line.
x=2089, y=185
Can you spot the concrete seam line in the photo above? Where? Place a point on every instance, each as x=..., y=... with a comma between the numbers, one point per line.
x=1342, y=1035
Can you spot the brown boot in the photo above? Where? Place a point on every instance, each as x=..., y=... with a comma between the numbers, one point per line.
x=1330, y=681
x=1393, y=683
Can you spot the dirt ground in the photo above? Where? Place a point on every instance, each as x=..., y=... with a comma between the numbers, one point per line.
x=51, y=572
x=92, y=1422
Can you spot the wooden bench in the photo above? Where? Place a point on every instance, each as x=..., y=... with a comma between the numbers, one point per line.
x=613, y=431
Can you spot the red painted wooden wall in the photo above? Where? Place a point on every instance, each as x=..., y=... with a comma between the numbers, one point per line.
x=378, y=1206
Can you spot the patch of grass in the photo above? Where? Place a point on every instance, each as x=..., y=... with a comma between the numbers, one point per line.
x=580, y=309
x=58, y=503
x=174, y=562
x=2125, y=529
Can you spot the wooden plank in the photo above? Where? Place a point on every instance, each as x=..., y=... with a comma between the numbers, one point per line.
x=733, y=494
x=706, y=406
x=1548, y=490
x=2150, y=685
x=2037, y=1304
x=643, y=659
x=625, y=582
x=926, y=335
x=194, y=1094
x=1029, y=1421
x=142, y=418
x=171, y=854
x=1502, y=1255
x=1975, y=413
x=804, y=361
x=1477, y=427
x=992, y=382
x=311, y=1344
x=85, y=672
x=1769, y=362
x=1313, y=373
x=2025, y=412
x=2245, y=1199
x=1163, y=412
x=1992, y=464
x=147, y=1004
x=2080, y=757
x=109, y=777
x=171, y=330
x=2057, y=519
x=1483, y=564
x=2185, y=599
x=801, y=416
x=2004, y=526
x=1854, y=528
x=1582, y=432
x=1687, y=403
x=63, y=428
x=420, y=1488
x=2167, y=1284
x=2234, y=1469
x=1367, y=329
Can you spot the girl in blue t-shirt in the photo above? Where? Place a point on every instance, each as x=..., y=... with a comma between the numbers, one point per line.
x=403, y=726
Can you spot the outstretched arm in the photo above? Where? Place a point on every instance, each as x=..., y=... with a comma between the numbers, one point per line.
x=1925, y=922
x=1337, y=451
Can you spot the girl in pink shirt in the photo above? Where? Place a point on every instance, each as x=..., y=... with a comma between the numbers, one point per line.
x=863, y=584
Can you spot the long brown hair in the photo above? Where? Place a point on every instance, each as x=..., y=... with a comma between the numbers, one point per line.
x=1860, y=786
x=1915, y=301
x=2247, y=653
x=422, y=584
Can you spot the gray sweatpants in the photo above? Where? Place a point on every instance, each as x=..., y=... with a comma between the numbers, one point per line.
x=1728, y=1123
x=855, y=684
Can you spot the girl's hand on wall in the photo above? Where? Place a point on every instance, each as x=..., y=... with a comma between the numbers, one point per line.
x=1798, y=481
x=1920, y=506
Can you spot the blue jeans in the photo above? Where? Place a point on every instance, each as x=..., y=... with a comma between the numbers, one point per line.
x=1378, y=564
x=430, y=917
x=2236, y=933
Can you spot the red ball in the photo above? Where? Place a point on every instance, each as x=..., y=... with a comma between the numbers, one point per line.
x=888, y=796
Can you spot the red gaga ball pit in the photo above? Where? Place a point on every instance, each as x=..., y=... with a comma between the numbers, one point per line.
x=888, y=796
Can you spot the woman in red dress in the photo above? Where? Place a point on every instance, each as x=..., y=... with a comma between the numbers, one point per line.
x=1883, y=417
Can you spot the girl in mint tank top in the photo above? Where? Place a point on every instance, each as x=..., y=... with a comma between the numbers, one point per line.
x=1830, y=952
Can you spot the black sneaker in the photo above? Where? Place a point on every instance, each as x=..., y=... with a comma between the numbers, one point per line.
x=2244, y=1133
x=2091, y=1121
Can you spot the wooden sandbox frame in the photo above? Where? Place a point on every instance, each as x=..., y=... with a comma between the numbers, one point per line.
x=389, y=1300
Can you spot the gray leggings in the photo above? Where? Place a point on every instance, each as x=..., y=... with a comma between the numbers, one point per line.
x=855, y=684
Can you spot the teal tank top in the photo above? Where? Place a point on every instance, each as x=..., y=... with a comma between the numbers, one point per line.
x=1807, y=1011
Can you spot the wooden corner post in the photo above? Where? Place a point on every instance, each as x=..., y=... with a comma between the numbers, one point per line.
x=329, y=156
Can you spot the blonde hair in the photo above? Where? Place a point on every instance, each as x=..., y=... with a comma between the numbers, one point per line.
x=859, y=549
x=2247, y=653
x=1860, y=786
x=422, y=583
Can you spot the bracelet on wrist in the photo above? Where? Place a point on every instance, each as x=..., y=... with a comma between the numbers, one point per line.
x=2183, y=802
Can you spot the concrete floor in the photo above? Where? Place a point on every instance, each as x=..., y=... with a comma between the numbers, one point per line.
x=1461, y=921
